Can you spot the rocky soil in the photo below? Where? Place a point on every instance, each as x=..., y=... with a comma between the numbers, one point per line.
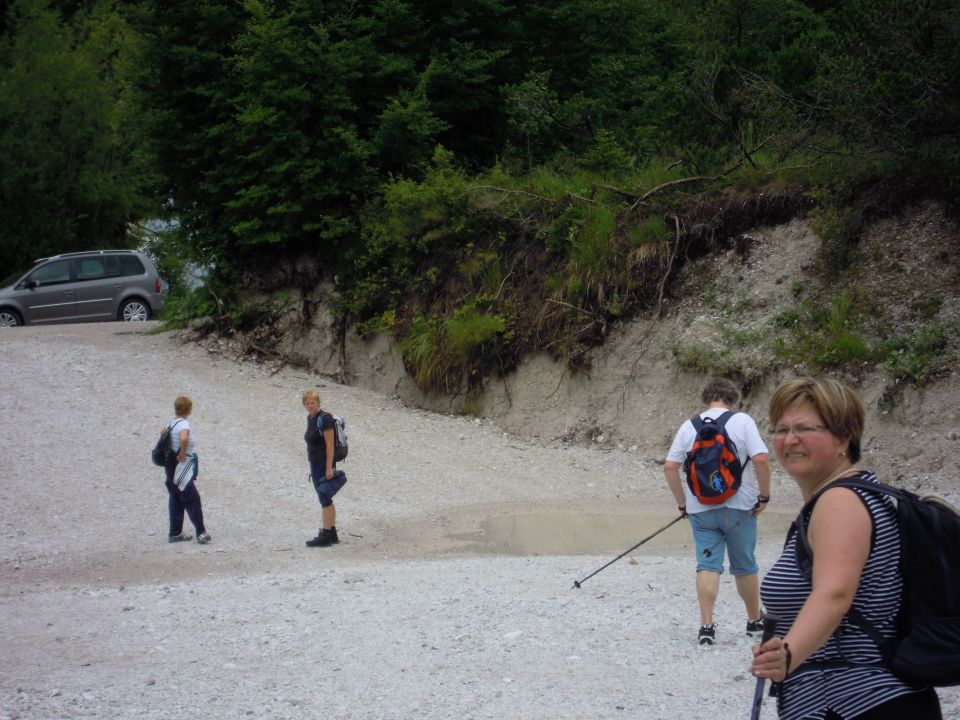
x=450, y=595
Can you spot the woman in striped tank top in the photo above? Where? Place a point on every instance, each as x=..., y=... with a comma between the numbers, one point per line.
x=825, y=667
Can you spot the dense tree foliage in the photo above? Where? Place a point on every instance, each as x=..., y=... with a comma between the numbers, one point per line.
x=68, y=177
x=441, y=146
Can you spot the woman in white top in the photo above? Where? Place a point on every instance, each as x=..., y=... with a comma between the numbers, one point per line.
x=183, y=495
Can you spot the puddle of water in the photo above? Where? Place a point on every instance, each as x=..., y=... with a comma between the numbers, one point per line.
x=569, y=533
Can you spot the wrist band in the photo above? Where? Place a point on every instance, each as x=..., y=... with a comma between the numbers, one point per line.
x=763, y=499
x=786, y=649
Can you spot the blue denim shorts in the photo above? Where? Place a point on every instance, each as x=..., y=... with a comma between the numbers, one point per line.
x=326, y=489
x=709, y=528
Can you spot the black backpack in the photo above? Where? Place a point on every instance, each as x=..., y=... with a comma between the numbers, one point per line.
x=340, y=446
x=926, y=648
x=713, y=466
x=159, y=453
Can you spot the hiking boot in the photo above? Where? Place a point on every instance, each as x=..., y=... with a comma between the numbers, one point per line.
x=182, y=537
x=708, y=633
x=203, y=538
x=324, y=538
x=333, y=536
x=755, y=627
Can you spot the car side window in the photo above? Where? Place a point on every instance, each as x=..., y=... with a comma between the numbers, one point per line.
x=90, y=269
x=112, y=265
x=50, y=274
x=131, y=265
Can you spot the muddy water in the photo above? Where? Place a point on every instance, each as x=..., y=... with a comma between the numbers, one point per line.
x=558, y=532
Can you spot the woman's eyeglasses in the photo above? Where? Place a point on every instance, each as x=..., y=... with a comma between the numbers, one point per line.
x=800, y=431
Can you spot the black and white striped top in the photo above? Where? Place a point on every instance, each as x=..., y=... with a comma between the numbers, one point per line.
x=865, y=683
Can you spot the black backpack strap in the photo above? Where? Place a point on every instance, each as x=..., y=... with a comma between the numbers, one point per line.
x=805, y=561
x=723, y=417
x=804, y=553
x=721, y=422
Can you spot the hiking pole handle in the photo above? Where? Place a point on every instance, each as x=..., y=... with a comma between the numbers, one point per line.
x=576, y=583
x=770, y=622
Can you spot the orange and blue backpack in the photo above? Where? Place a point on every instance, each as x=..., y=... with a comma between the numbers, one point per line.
x=713, y=467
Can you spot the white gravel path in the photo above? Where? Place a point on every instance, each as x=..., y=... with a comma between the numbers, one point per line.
x=450, y=595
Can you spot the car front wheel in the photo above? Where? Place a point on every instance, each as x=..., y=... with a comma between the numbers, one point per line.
x=134, y=311
x=8, y=318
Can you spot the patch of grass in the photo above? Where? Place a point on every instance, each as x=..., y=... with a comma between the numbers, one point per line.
x=422, y=349
x=592, y=254
x=704, y=360
x=483, y=269
x=825, y=337
x=468, y=329
x=652, y=231
x=933, y=351
x=441, y=354
x=657, y=172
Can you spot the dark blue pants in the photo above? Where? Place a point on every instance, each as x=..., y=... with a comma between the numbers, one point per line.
x=182, y=500
x=326, y=489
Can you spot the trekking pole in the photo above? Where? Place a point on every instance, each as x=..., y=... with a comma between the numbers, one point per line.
x=576, y=583
x=770, y=622
x=709, y=551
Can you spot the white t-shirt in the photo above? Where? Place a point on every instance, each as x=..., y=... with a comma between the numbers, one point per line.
x=181, y=425
x=743, y=431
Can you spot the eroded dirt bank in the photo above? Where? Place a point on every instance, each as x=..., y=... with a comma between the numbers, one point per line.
x=450, y=594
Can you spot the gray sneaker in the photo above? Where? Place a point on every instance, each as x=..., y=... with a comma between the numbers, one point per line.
x=203, y=538
x=182, y=537
x=755, y=627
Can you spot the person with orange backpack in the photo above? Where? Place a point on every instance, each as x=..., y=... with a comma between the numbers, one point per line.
x=728, y=484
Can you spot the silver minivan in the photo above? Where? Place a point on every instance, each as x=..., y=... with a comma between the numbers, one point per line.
x=92, y=286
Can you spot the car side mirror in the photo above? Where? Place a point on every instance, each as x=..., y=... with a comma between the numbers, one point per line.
x=32, y=285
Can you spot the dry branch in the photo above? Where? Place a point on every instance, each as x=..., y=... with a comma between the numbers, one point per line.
x=508, y=191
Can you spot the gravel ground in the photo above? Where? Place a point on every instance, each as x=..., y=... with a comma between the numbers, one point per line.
x=450, y=595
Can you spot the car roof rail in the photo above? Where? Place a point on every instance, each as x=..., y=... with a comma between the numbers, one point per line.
x=84, y=252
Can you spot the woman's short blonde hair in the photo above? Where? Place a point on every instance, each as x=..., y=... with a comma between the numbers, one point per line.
x=183, y=405
x=311, y=395
x=838, y=405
